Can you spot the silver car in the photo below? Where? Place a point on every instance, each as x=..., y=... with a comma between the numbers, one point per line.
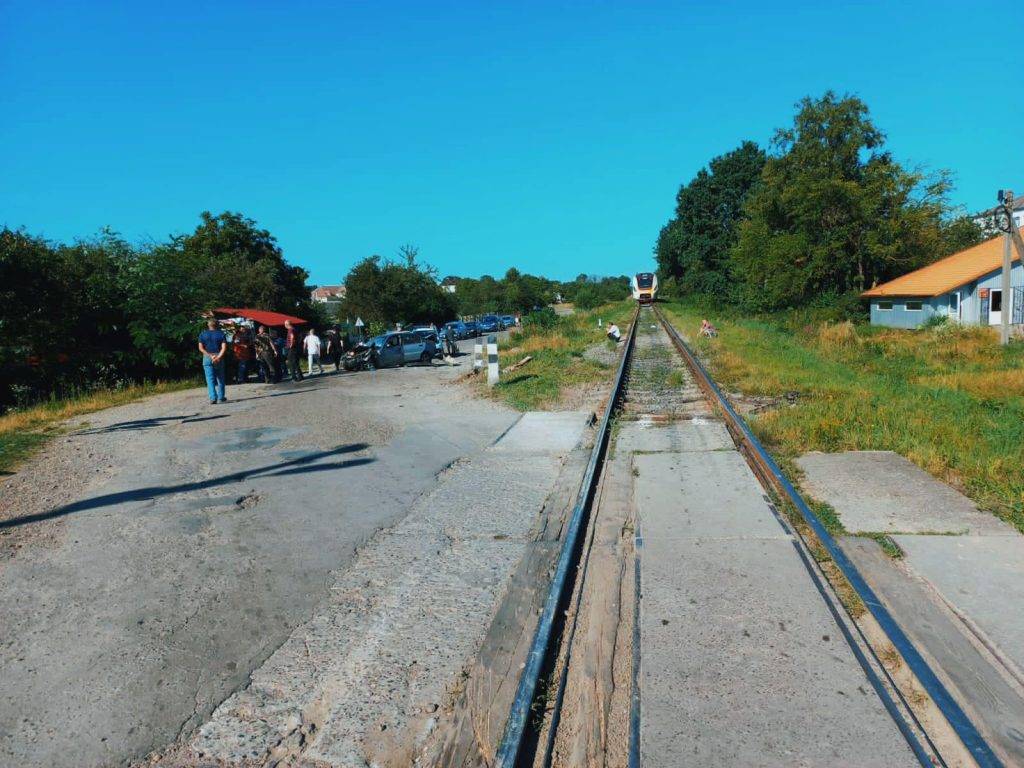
x=401, y=347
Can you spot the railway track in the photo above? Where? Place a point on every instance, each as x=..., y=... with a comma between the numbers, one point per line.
x=616, y=660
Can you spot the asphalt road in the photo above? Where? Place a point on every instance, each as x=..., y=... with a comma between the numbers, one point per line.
x=197, y=538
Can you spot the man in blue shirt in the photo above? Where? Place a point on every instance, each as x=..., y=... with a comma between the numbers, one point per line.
x=213, y=345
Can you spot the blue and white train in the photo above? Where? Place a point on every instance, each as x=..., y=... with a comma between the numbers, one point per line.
x=645, y=286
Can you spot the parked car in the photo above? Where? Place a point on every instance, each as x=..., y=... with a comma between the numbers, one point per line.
x=472, y=329
x=508, y=321
x=391, y=349
x=489, y=324
x=459, y=328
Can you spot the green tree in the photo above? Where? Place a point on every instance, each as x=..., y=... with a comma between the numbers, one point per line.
x=227, y=261
x=833, y=212
x=381, y=291
x=234, y=261
x=959, y=233
x=693, y=247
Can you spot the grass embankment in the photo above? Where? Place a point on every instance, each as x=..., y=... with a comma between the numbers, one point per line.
x=559, y=364
x=24, y=431
x=950, y=399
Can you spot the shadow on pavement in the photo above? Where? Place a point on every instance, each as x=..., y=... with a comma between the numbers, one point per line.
x=279, y=469
x=285, y=393
x=155, y=421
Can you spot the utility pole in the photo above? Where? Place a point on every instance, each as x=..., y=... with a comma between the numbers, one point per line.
x=1004, y=316
x=1011, y=239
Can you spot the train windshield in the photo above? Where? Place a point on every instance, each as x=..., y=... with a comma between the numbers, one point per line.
x=644, y=280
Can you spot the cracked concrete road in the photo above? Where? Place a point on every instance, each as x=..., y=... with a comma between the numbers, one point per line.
x=158, y=553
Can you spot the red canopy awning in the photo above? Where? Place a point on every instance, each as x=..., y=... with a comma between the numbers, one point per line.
x=261, y=316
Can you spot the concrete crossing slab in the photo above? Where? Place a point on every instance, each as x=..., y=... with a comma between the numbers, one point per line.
x=881, y=491
x=982, y=577
x=742, y=660
x=545, y=432
x=988, y=691
x=743, y=664
x=700, y=494
x=698, y=434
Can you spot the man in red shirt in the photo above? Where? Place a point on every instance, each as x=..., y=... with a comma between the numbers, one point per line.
x=241, y=347
x=293, y=347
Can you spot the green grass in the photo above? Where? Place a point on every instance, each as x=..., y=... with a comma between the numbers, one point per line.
x=950, y=399
x=889, y=547
x=558, y=363
x=25, y=431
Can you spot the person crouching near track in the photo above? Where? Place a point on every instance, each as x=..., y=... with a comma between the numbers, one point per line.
x=614, y=334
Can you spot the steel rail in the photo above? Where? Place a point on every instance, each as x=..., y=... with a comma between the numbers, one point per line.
x=766, y=467
x=516, y=726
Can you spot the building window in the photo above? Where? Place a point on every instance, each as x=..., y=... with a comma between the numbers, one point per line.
x=914, y=306
x=883, y=305
x=954, y=303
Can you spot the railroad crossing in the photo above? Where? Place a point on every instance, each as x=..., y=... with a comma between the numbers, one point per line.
x=705, y=618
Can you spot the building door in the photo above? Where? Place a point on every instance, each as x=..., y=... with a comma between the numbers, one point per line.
x=995, y=306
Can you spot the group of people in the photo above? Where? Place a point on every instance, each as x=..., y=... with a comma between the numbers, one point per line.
x=268, y=354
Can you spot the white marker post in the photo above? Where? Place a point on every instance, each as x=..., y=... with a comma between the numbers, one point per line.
x=478, y=355
x=492, y=360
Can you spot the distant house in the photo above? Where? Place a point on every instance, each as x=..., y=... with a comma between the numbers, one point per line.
x=449, y=283
x=326, y=293
x=965, y=287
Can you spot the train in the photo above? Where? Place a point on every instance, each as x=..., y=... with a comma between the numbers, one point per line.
x=645, y=287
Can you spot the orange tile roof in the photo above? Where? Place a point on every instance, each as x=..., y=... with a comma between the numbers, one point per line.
x=946, y=274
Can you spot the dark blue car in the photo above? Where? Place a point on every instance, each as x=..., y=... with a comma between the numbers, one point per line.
x=489, y=324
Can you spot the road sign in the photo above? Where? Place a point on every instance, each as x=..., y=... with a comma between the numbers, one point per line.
x=359, y=322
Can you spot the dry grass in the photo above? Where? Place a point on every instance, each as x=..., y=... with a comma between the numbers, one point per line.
x=536, y=343
x=950, y=399
x=558, y=371
x=24, y=431
x=842, y=334
x=991, y=386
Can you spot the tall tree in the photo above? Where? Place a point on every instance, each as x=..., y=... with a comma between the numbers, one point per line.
x=693, y=248
x=381, y=291
x=834, y=213
x=231, y=257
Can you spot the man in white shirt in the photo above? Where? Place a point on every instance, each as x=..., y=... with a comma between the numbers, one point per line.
x=613, y=333
x=312, y=346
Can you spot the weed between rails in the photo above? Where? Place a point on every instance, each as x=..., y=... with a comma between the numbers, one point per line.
x=950, y=399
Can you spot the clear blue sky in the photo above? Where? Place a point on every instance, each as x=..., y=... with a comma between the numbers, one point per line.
x=549, y=137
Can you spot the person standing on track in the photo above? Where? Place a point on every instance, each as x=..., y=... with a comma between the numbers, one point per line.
x=312, y=345
x=292, y=345
x=213, y=345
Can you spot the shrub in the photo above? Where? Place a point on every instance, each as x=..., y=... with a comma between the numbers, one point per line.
x=838, y=335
